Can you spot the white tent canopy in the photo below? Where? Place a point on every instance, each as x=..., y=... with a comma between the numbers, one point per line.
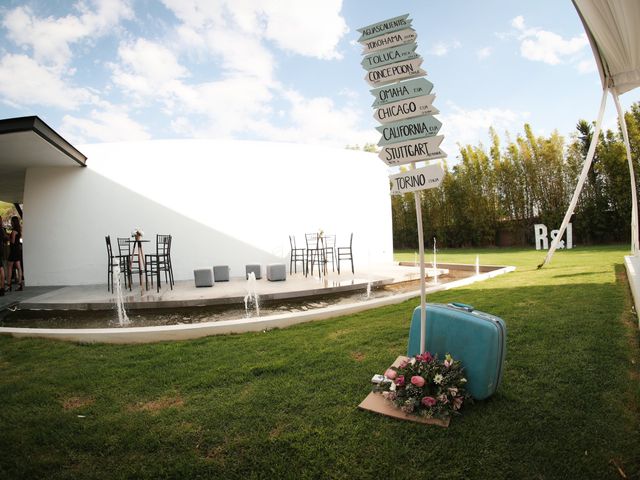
x=612, y=29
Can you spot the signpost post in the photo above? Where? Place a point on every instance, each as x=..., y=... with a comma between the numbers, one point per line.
x=403, y=103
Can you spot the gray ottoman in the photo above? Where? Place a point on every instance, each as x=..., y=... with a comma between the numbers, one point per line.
x=221, y=273
x=255, y=268
x=203, y=277
x=276, y=272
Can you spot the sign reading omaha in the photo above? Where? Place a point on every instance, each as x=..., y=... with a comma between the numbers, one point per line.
x=419, y=127
x=390, y=55
x=412, y=151
x=394, y=39
x=412, y=107
x=419, y=179
x=386, y=26
x=401, y=91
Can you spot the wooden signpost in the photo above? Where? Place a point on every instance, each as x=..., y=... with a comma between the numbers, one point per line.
x=403, y=103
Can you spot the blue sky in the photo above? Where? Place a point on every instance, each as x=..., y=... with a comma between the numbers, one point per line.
x=288, y=70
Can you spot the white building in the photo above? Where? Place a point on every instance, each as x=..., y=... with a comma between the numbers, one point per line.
x=223, y=201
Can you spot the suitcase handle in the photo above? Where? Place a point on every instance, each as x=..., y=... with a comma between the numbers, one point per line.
x=462, y=306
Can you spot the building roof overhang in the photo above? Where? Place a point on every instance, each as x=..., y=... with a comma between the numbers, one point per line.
x=27, y=142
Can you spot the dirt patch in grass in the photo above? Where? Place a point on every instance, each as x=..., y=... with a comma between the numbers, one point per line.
x=158, y=405
x=73, y=403
x=357, y=356
x=339, y=333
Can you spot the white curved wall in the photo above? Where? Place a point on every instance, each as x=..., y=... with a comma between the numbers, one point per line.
x=224, y=202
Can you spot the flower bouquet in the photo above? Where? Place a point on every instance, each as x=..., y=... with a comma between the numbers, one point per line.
x=137, y=233
x=425, y=386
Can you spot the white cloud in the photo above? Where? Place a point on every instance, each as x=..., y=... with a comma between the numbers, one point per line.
x=305, y=28
x=51, y=38
x=24, y=82
x=440, y=49
x=472, y=126
x=484, y=53
x=548, y=47
x=319, y=120
x=587, y=66
x=109, y=125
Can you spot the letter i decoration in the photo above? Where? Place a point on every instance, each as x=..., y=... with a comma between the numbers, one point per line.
x=401, y=91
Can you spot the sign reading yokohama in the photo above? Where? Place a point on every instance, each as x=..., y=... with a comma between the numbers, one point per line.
x=394, y=39
x=412, y=151
x=415, y=180
x=412, y=107
x=395, y=72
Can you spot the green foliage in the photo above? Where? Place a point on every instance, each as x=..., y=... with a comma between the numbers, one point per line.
x=502, y=192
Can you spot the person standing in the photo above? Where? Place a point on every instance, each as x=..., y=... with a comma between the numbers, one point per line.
x=15, y=251
x=3, y=243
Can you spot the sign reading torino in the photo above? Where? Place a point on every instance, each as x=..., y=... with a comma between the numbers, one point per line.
x=412, y=107
x=418, y=179
x=412, y=151
x=393, y=39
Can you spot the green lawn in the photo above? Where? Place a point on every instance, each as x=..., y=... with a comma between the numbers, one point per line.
x=282, y=404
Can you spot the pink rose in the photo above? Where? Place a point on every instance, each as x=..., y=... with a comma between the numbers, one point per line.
x=417, y=380
x=391, y=374
x=457, y=403
x=443, y=398
x=428, y=401
x=425, y=357
x=400, y=381
x=404, y=364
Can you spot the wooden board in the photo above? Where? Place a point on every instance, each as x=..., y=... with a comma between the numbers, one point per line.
x=374, y=402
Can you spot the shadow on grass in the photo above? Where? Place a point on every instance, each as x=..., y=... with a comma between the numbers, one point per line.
x=282, y=404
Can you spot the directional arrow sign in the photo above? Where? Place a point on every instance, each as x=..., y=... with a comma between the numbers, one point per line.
x=401, y=91
x=412, y=151
x=419, y=127
x=395, y=72
x=414, y=180
x=393, y=39
x=390, y=55
x=386, y=26
x=412, y=107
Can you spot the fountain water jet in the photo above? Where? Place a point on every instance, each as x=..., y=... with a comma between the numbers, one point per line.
x=123, y=319
x=251, y=296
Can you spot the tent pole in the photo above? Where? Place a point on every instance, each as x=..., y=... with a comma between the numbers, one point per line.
x=634, y=201
x=581, y=180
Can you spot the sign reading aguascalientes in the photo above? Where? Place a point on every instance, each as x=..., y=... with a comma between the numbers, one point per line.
x=386, y=26
x=403, y=104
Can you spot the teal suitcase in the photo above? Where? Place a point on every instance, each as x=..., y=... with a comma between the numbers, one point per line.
x=476, y=338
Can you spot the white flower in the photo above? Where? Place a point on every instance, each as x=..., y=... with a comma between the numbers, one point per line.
x=392, y=387
x=438, y=379
x=413, y=361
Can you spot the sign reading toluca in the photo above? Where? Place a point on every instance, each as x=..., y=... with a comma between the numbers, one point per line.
x=386, y=26
x=412, y=107
x=401, y=91
x=418, y=179
x=390, y=55
x=412, y=151
x=394, y=72
x=393, y=39
x=418, y=127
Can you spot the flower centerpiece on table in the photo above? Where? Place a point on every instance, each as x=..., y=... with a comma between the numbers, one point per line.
x=425, y=386
x=137, y=233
